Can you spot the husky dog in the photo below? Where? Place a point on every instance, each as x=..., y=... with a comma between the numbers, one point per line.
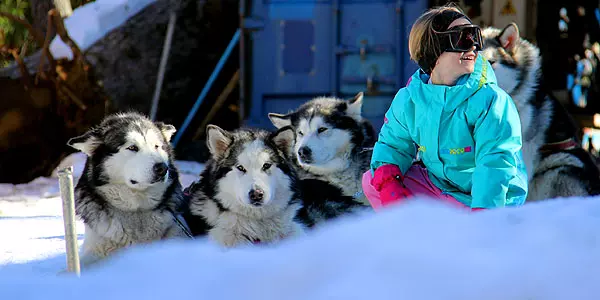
x=129, y=192
x=556, y=164
x=249, y=190
x=333, y=141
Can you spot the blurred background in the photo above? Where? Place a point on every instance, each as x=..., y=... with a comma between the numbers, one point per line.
x=230, y=63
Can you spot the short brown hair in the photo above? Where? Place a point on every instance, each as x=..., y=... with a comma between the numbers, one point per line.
x=420, y=39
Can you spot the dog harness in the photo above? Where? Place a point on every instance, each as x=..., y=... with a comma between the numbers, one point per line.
x=562, y=145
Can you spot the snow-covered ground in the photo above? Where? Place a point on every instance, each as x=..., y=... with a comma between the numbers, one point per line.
x=418, y=251
x=423, y=250
x=31, y=223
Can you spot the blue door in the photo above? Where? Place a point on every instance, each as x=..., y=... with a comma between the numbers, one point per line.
x=301, y=49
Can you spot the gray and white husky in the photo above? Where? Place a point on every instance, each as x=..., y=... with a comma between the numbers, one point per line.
x=249, y=191
x=334, y=142
x=556, y=164
x=129, y=192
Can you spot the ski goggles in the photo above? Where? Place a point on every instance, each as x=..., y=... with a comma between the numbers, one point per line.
x=460, y=38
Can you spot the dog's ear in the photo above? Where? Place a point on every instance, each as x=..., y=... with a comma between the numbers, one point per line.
x=509, y=37
x=284, y=138
x=86, y=143
x=279, y=120
x=355, y=106
x=217, y=140
x=167, y=130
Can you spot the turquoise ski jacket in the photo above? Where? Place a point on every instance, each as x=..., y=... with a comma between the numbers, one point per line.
x=467, y=135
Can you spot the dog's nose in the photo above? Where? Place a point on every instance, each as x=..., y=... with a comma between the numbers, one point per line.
x=256, y=196
x=305, y=153
x=160, y=169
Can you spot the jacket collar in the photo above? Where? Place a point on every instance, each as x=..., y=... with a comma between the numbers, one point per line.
x=451, y=96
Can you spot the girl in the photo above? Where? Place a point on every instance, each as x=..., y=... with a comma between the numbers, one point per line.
x=465, y=129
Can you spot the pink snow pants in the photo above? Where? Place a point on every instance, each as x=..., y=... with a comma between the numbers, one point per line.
x=416, y=180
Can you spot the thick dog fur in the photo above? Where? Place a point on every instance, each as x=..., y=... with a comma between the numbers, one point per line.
x=249, y=160
x=555, y=168
x=249, y=190
x=334, y=142
x=129, y=192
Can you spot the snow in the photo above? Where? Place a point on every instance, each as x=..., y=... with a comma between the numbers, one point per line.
x=92, y=21
x=32, y=238
x=421, y=250
x=31, y=223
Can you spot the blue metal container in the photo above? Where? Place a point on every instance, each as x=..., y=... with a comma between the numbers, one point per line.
x=295, y=50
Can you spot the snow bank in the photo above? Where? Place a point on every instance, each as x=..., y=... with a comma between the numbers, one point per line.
x=24, y=239
x=546, y=250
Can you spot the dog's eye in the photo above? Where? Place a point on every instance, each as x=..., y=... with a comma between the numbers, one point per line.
x=241, y=168
x=133, y=148
x=300, y=133
x=266, y=166
x=156, y=146
x=322, y=129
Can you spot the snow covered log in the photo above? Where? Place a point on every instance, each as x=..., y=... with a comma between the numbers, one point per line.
x=124, y=64
x=126, y=59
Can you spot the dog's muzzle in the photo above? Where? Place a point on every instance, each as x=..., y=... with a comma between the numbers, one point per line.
x=305, y=155
x=256, y=197
x=161, y=171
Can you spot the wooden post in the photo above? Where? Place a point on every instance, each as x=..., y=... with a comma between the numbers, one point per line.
x=64, y=7
x=163, y=65
x=39, y=13
x=67, y=192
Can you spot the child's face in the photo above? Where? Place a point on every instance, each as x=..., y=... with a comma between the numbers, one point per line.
x=452, y=65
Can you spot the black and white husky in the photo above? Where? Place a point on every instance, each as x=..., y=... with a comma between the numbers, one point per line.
x=333, y=141
x=557, y=166
x=250, y=191
x=129, y=192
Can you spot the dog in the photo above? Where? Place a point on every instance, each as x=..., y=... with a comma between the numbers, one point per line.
x=248, y=192
x=129, y=192
x=334, y=143
x=557, y=165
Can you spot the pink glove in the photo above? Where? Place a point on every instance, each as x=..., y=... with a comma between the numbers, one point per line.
x=387, y=180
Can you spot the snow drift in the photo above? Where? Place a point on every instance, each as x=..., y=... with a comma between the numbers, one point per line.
x=422, y=250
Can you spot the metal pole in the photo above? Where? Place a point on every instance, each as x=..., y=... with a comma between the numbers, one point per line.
x=220, y=101
x=163, y=65
x=67, y=193
x=211, y=79
x=334, y=77
x=242, y=60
